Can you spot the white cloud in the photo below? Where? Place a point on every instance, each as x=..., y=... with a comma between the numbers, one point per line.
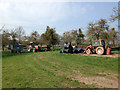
x=37, y=14
x=31, y=12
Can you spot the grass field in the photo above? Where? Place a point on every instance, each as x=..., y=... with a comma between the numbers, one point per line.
x=54, y=70
x=115, y=52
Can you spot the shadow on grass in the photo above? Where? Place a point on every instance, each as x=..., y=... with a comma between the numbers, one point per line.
x=58, y=49
x=115, y=52
x=8, y=54
x=24, y=52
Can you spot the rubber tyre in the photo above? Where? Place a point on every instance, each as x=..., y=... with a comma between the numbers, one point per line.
x=34, y=50
x=61, y=51
x=100, y=50
x=81, y=51
x=88, y=51
x=11, y=51
x=29, y=50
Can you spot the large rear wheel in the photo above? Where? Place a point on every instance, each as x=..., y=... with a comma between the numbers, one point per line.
x=88, y=51
x=100, y=50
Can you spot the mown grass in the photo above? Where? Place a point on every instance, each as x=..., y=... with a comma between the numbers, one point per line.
x=115, y=52
x=51, y=69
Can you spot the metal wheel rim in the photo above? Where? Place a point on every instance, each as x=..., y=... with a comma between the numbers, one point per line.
x=99, y=50
x=28, y=49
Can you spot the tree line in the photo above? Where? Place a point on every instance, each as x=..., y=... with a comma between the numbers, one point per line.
x=95, y=31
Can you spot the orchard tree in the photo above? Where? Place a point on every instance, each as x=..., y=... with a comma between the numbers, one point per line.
x=74, y=35
x=5, y=38
x=80, y=36
x=106, y=36
x=34, y=37
x=101, y=27
x=116, y=17
x=66, y=37
x=96, y=30
x=13, y=37
x=77, y=36
x=50, y=36
x=42, y=39
x=113, y=35
x=25, y=40
x=90, y=31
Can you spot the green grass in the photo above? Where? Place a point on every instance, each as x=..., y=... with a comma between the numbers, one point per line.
x=52, y=69
x=115, y=52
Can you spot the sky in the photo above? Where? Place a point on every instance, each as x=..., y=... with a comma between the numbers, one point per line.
x=36, y=15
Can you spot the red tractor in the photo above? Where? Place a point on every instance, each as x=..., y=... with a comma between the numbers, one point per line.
x=99, y=47
x=33, y=47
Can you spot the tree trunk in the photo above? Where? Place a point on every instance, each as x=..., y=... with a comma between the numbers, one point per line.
x=53, y=48
x=3, y=48
x=113, y=43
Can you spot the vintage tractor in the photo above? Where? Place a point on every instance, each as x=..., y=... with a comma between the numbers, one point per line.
x=98, y=46
x=33, y=46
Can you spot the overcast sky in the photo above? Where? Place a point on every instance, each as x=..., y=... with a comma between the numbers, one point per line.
x=64, y=16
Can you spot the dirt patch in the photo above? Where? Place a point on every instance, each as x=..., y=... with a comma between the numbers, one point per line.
x=112, y=55
x=109, y=75
x=100, y=81
x=67, y=85
x=59, y=73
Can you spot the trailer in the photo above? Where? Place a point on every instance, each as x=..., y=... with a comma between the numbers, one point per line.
x=16, y=48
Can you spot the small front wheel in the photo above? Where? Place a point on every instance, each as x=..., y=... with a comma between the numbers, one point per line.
x=61, y=51
x=29, y=50
x=34, y=50
x=81, y=51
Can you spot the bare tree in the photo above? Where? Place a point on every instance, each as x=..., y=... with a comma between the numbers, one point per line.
x=20, y=33
x=116, y=14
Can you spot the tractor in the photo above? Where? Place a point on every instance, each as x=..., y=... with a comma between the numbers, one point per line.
x=98, y=46
x=33, y=46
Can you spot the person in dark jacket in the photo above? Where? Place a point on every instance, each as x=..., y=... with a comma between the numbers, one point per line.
x=70, y=47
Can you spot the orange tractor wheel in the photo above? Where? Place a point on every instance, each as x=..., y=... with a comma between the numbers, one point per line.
x=100, y=50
